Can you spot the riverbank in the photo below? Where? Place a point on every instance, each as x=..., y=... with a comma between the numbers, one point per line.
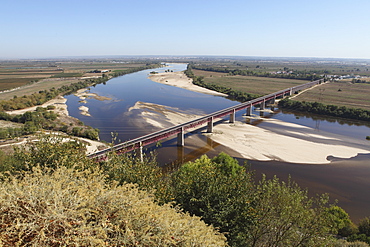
x=286, y=142
x=179, y=79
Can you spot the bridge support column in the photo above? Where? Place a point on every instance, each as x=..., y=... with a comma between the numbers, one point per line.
x=139, y=152
x=249, y=110
x=263, y=105
x=180, y=138
x=232, y=117
x=210, y=125
x=180, y=154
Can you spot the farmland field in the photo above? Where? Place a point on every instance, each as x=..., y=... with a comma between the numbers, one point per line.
x=24, y=77
x=339, y=93
x=249, y=84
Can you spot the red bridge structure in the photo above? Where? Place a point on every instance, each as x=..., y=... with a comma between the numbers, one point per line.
x=179, y=130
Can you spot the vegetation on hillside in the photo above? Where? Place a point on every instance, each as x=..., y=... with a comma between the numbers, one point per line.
x=52, y=194
x=43, y=119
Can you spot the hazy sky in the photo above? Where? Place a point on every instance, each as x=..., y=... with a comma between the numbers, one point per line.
x=278, y=28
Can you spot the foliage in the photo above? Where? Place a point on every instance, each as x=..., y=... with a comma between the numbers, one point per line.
x=50, y=151
x=286, y=216
x=69, y=207
x=359, y=237
x=128, y=168
x=330, y=110
x=341, y=222
x=364, y=226
x=218, y=190
x=344, y=243
x=42, y=119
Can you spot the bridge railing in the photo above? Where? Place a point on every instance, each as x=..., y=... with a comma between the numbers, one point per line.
x=165, y=133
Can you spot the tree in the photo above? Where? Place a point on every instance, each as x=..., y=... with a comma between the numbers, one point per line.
x=364, y=226
x=286, y=216
x=219, y=191
x=342, y=222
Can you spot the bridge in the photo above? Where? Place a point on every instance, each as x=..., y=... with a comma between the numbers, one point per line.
x=179, y=130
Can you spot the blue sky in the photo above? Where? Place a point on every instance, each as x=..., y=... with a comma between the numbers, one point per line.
x=285, y=28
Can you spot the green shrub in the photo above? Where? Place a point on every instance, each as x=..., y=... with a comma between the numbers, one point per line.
x=219, y=190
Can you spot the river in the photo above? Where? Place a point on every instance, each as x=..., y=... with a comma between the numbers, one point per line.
x=344, y=179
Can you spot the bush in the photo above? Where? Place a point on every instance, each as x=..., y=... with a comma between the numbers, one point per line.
x=77, y=208
x=364, y=226
x=219, y=190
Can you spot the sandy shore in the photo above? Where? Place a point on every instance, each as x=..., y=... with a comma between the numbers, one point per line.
x=287, y=142
x=179, y=79
x=291, y=143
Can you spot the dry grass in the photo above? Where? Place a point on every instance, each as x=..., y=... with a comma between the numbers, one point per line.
x=339, y=93
x=77, y=208
x=248, y=84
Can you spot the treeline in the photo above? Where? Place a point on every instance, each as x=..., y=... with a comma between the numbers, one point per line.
x=232, y=93
x=43, y=96
x=360, y=81
x=117, y=73
x=43, y=118
x=298, y=75
x=329, y=110
x=39, y=205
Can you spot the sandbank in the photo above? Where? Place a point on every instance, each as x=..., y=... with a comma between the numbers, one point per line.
x=179, y=79
x=290, y=142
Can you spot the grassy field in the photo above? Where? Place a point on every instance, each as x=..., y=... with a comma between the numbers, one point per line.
x=339, y=93
x=249, y=84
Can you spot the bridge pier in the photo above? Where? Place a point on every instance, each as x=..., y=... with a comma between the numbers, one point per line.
x=210, y=125
x=180, y=154
x=139, y=152
x=180, y=138
x=232, y=117
x=263, y=105
x=249, y=110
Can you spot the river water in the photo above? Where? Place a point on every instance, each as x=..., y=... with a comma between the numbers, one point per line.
x=347, y=180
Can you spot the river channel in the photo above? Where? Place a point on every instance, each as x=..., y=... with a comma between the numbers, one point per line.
x=347, y=180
